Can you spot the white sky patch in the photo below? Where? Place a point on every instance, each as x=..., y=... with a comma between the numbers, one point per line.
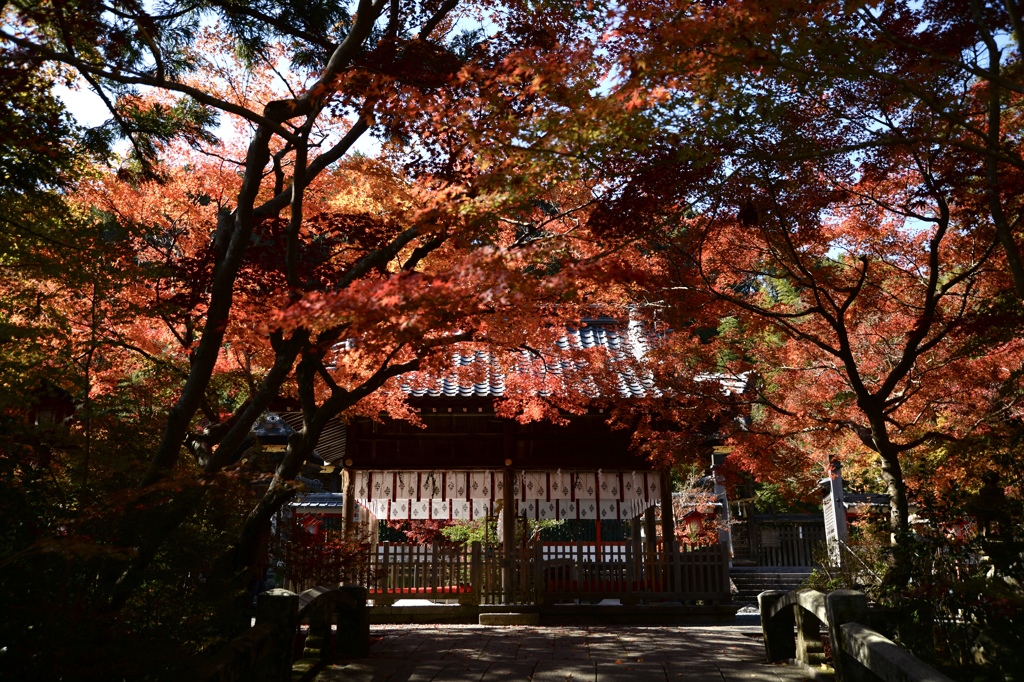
x=84, y=105
x=89, y=111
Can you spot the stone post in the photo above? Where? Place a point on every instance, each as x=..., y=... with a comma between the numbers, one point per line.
x=779, y=643
x=319, y=640
x=353, y=617
x=809, y=647
x=280, y=610
x=846, y=606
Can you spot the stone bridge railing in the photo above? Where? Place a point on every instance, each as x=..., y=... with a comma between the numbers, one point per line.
x=267, y=651
x=859, y=654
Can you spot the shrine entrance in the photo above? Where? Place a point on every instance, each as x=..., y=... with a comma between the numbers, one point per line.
x=497, y=469
x=521, y=568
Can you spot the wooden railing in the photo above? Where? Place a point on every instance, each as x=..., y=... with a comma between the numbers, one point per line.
x=786, y=539
x=859, y=654
x=699, y=574
x=266, y=651
x=438, y=571
x=541, y=573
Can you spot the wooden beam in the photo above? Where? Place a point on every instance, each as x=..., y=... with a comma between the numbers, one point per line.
x=348, y=480
x=668, y=524
x=508, y=534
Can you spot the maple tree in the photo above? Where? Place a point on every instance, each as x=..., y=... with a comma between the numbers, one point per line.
x=821, y=200
x=228, y=273
x=828, y=194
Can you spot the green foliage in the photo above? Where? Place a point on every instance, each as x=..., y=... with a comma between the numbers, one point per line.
x=40, y=139
x=684, y=476
x=63, y=498
x=865, y=558
x=963, y=611
x=486, y=532
x=967, y=606
x=783, y=498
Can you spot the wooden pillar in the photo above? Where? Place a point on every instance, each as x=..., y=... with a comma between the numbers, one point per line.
x=508, y=532
x=651, y=531
x=668, y=524
x=668, y=532
x=476, y=573
x=510, y=446
x=348, y=480
x=637, y=552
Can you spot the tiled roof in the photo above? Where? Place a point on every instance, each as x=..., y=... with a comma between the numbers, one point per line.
x=451, y=387
x=730, y=383
x=489, y=380
x=492, y=384
x=319, y=502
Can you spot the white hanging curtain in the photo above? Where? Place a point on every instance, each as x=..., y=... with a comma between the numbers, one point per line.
x=610, y=485
x=586, y=485
x=455, y=485
x=480, y=485
x=420, y=509
x=399, y=510
x=431, y=485
x=461, y=510
x=540, y=494
x=561, y=484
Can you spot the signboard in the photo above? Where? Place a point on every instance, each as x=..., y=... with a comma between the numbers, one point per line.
x=835, y=513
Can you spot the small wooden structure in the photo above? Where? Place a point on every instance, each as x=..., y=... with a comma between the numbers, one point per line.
x=484, y=466
x=464, y=462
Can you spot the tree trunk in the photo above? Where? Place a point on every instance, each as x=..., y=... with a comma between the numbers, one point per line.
x=899, y=572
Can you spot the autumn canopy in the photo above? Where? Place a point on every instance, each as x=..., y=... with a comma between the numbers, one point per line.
x=304, y=203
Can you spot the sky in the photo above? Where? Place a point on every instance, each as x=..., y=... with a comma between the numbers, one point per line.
x=87, y=108
x=89, y=111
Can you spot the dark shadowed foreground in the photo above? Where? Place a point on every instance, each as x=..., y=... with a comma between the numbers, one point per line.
x=586, y=654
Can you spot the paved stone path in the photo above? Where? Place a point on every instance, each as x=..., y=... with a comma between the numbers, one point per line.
x=415, y=653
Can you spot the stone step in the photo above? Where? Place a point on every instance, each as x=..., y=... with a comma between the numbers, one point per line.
x=760, y=587
x=768, y=580
x=750, y=583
